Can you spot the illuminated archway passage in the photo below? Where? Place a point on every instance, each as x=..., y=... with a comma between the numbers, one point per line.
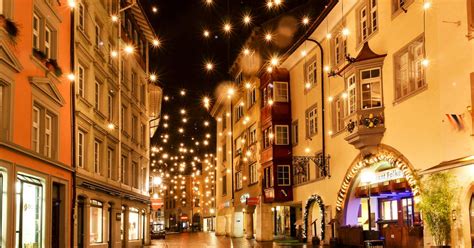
x=313, y=199
x=394, y=159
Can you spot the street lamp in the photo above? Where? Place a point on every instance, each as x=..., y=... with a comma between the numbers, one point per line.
x=367, y=176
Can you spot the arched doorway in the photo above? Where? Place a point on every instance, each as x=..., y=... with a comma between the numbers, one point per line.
x=310, y=227
x=377, y=201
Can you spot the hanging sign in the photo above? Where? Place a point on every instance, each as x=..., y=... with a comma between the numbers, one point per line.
x=253, y=201
x=156, y=203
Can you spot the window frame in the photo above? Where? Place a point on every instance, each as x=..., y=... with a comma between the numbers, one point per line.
x=311, y=75
x=370, y=81
x=110, y=162
x=81, y=138
x=253, y=178
x=351, y=89
x=285, y=181
x=371, y=20
x=411, y=80
x=277, y=135
x=97, y=145
x=294, y=133
x=238, y=180
x=100, y=206
x=252, y=97
x=81, y=76
x=312, y=119
x=268, y=177
x=97, y=90
x=284, y=97
x=81, y=16
x=36, y=31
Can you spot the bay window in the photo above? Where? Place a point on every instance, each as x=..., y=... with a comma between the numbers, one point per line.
x=29, y=212
x=371, y=91
x=280, y=91
x=133, y=224
x=96, y=221
x=282, y=135
x=283, y=175
x=409, y=69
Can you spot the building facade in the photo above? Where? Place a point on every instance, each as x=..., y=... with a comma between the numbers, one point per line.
x=35, y=124
x=115, y=104
x=376, y=72
x=178, y=203
x=355, y=115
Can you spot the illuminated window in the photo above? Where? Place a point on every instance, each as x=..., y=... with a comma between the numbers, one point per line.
x=371, y=88
x=96, y=222
x=29, y=212
x=133, y=224
x=351, y=95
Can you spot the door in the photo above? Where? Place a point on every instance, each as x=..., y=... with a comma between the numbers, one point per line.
x=80, y=223
x=56, y=217
x=110, y=229
x=292, y=221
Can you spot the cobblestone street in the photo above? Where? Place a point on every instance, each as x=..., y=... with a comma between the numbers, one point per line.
x=209, y=239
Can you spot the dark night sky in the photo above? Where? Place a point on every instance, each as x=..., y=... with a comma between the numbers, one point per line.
x=180, y=61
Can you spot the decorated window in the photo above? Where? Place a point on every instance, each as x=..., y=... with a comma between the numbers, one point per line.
x=300, y=172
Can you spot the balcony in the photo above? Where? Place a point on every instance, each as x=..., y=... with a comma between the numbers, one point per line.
x=365, y=128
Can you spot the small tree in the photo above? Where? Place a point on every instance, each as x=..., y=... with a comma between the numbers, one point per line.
x=436, y=205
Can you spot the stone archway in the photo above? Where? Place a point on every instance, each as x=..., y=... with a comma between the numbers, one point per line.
x=307, y=210
x=384, y=153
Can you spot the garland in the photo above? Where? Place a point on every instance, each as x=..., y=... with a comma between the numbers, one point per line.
x=311, y=200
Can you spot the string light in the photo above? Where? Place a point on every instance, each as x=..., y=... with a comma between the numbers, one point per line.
x=305, y=20
x=247, y=19
x=248, y=85
x=208, y=2
x=425, y=62
x=153, y=77
x=246, y=51
x=129, y=49
x=274, y=61
x=113, y=54
x=328, y=36
x=154, y=9
x=345, y=32
x=206, y=33
x=182, y=92
x=206, y=102
x=111, y=126
x=268, y=37
x=72, y=4
x=156, y=43
x=209, y=66
x=71, y=77
x=269, y=4
x=227, y=27
x=114, y=18
x=327, y=68
x=426, y=5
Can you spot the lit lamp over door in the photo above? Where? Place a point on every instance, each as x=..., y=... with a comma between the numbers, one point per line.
x=367, y=177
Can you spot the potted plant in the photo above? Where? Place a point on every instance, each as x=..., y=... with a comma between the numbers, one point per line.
x=436, y=204
x=39, y=54
x=52, y=64
x=10, y=26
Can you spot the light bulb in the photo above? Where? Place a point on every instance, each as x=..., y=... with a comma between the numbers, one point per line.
x=328, y=36
x=345, y=31
x=156, y=43
x=114, y=18
x=305, y=21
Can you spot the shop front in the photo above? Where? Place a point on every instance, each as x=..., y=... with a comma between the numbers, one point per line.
x=284, y=219
x=378, y=197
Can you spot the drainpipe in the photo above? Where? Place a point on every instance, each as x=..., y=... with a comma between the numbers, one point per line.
x=73, y=125
x=323, y=164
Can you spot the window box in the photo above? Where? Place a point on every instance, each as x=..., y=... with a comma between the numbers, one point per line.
x=10, y=26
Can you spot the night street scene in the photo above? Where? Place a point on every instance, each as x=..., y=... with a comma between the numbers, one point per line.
x=236, y=123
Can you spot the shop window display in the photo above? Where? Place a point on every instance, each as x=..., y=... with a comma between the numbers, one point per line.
x=29, y=212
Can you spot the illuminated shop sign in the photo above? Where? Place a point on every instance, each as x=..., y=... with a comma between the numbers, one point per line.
x=387, y=175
